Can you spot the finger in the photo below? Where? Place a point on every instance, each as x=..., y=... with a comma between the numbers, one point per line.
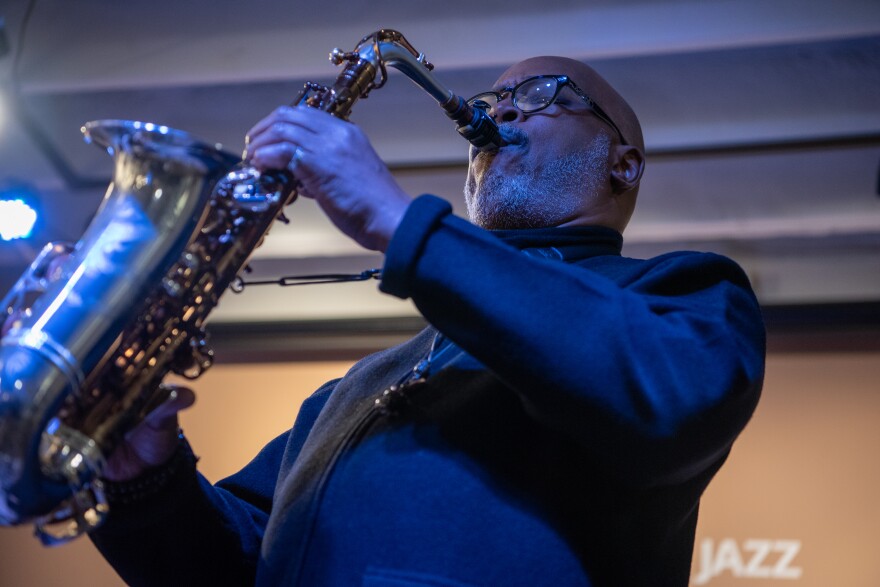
x=277, y=115
x=275, y=156
x=278, y=134
x=278, y=147
x=296, y=159
x=165, y=414
x=283, y=124
x=299, y=125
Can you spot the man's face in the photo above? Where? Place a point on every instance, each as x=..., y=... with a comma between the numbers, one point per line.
x=554, y=167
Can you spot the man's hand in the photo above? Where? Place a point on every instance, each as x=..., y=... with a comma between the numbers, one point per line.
x=152, y=442
x=336, y=165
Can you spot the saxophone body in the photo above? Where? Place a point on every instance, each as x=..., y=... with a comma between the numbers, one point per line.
x=91, y=330
x=94, y=327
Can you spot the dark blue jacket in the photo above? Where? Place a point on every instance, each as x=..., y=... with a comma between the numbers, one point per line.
x=576, y=408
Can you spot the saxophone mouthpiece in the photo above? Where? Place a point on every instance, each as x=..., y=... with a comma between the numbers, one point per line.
x=482, y=132
x=474, y=124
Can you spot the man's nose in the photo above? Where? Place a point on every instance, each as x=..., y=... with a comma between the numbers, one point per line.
x=505, y=111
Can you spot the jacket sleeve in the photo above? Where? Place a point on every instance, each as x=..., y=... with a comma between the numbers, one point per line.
x=194, y=533
x=656, y=373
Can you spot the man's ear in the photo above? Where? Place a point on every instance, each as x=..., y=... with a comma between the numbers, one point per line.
x=627, y=166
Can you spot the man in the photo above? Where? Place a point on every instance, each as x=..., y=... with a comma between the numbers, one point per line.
x=556, y=425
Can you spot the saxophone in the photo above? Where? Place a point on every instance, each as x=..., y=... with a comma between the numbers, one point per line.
x=91, y=330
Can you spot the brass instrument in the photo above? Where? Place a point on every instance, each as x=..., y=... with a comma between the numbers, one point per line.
x=91, y=330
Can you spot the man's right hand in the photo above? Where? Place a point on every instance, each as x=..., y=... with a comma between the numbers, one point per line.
x=152, y=442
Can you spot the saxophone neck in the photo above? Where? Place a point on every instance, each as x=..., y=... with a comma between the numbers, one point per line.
x=389, y=48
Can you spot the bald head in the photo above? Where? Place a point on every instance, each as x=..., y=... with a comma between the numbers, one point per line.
x=593, y=85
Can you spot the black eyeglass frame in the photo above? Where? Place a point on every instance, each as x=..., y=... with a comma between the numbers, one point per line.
x=561, y=82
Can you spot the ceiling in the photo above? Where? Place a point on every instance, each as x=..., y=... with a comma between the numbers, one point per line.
x=761, y=118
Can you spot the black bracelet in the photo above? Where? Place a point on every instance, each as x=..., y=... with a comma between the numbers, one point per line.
x=154, y=480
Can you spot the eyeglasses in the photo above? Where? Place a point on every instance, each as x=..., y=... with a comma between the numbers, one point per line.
x=537, y=93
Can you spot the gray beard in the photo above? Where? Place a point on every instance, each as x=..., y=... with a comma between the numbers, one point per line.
x=540, y=197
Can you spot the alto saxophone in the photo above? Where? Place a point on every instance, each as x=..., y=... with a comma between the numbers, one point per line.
x=92, y=329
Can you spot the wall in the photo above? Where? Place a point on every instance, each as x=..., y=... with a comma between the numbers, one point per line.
x=802, y=481
x=794, y=506
x=239, y=409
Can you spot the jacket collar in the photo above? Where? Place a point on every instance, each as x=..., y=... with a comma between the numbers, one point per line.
x=570, y=243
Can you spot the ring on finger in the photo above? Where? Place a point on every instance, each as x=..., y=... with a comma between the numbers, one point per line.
x=297, y=156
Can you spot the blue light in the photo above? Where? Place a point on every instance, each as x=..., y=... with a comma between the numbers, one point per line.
x=17, y=219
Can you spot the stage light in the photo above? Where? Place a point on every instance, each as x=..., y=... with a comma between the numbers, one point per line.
x=18, y=214
x=17, y=219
